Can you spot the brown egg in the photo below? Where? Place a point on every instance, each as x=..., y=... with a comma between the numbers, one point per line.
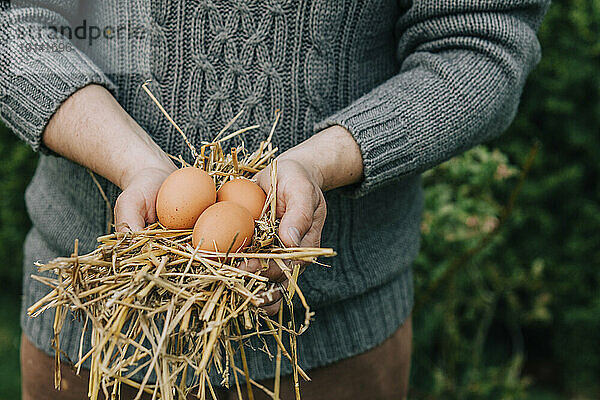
x=245, y=193
x=218, y=226
x=183, y=196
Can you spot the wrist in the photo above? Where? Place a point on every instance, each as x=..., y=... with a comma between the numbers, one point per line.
x=332, y=157
x=345, y=165
x=144, y=157
x=304, y=155
x=92, y=129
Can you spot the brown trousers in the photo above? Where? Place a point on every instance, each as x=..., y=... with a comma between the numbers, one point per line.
x=378, y=374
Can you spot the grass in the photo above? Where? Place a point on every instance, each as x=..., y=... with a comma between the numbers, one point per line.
x=10, y=333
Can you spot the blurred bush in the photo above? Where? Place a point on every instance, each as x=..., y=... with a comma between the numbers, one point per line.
x=17, y=164
x=524, y=312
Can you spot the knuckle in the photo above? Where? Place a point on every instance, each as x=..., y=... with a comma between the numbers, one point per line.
x=307, y=187
x=322, y=208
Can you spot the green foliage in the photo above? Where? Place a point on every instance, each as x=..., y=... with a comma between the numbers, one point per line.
x=10, y=335
x=562, y=202
x=524, y=312
x=17, y=163
x=468, y=342
x=518, y=319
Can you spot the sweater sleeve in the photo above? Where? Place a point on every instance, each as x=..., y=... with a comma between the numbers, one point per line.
x=39, y=68
x=463, y=65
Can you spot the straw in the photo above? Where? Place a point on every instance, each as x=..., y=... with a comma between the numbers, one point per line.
x=156, y=304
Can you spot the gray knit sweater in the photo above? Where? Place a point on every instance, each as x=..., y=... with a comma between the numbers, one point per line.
x=415, y=82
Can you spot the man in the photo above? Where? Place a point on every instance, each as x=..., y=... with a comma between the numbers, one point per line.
x=372, y=92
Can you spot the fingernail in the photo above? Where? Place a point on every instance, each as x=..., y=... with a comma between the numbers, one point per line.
x=294, y=235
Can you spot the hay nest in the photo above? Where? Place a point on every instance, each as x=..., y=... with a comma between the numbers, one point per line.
x=156, y=304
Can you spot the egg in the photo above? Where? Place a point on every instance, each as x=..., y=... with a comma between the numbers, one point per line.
x=183, y=196
x=245, y=193
x=219, y=224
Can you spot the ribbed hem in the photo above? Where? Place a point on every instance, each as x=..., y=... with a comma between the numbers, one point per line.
x=38, y=330
x=363, y=119
x=345, y=329
x=35, y=79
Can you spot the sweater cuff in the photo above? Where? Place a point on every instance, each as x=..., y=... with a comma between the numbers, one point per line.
x=35, y=83
x=371, y=123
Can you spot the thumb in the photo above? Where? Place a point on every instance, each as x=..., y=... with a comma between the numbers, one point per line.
x=298, y=217
x=129, y=213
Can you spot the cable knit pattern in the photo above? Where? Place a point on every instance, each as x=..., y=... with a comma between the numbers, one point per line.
x=237, y=60
x=415, y=82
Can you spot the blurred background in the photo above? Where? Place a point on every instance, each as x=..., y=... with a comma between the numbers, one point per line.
x=508, y=298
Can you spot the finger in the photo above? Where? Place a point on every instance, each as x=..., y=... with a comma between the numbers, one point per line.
x=263, y=179
x=273, y=308
x=252, y=265
x=275, y=273
x=269, y=269
x=300, y=206
x=313, y=236
x=271, y=296
x=129, y=213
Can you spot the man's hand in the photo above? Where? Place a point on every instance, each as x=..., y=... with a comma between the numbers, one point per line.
x=301, y=207
x=136, y=205
x=326, y=161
